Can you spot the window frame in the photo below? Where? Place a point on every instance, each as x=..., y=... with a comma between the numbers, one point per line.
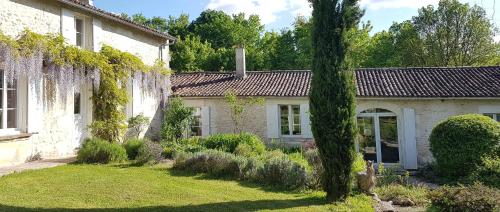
x=4, y=130
x=494, y=116
x=291, y=120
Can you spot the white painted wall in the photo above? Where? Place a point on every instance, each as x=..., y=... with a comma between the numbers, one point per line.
x=416, y=119
x=53, y=125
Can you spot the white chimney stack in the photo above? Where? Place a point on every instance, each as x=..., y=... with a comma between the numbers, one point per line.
x=241, y=66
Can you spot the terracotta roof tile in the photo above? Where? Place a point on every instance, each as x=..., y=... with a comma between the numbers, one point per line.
x=459, y=82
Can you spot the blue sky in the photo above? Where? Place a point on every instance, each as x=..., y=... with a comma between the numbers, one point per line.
x=278, y=14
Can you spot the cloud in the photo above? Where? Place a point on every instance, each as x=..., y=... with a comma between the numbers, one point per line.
x=271, y=10
x=497, y=38
x=394, y=4
x=268, y=10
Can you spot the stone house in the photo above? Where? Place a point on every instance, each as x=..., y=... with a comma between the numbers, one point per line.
x=397, y=107
x=27, y=126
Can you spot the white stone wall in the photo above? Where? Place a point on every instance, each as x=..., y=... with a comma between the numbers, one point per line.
x=428, y=112
x=56, y=135
x=138, y=43
x=39, y=16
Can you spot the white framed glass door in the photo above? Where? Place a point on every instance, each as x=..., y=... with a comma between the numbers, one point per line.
x=378, y=136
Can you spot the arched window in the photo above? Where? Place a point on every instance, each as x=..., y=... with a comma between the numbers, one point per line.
x=378, y=135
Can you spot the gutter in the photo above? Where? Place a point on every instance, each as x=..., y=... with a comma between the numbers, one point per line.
x=101, y=13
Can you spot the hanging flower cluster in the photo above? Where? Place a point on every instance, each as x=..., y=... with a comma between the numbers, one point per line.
x=47, y=57
x=37, y=56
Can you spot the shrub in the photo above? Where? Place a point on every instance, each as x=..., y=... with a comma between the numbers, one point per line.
x=99, y=151
x=177, y=118
x=470, y=137
x=390, y=176
x=132, y=147
x=488, y=172
x=299, y=158
x=149, y=152
x=137, y=124
x=312, y=156
x=192, y=145
x=470, y=198
x=403, y=195
x=229, y=142
x=244, y=150
x=283, y=173
x=213, y=162
x=315, y=178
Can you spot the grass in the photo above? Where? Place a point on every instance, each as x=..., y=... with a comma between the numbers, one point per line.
x=416, y=194
x=124, y=188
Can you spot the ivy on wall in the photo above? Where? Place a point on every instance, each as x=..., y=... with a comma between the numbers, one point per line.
x=38, y=57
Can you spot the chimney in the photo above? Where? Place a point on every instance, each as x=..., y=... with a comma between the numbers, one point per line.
x=88, y=2
x=241, y=66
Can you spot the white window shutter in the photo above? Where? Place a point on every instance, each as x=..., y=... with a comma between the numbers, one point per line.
x=305, y=121
x=68, y=30
x=35, y=106
x=409, y=139
x=272, y=119
x=97, y=34
x=205, y=121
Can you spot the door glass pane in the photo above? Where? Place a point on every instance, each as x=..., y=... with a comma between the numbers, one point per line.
x=366, y=138
x=11, y=99
x=1, y=119
x=1, y=98
x=389, y=139
x=11, y=119
x=285, y=129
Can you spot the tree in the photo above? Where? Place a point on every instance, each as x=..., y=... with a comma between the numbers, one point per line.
x=332, y=96
x=455, y=34
x=177, y=119
x=191, y=54
x=238, y=107
x=178, y=27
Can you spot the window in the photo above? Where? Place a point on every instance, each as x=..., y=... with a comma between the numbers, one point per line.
x=8, y=103
x=290, y=120
x=79, y=25
x=195, y=127
x=76, y=103
x=494, y=116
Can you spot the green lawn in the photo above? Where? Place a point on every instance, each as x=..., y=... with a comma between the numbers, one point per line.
x=115, y=188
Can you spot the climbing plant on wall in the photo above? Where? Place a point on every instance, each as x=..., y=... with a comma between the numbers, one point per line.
x=47, y=57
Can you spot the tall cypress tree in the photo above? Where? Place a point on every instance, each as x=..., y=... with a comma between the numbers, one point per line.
x=332, y=95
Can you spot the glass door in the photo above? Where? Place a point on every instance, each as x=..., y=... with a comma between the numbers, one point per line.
x=378, y=136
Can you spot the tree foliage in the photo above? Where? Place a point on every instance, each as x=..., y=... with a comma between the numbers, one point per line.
x=177, y=119
x=451, y=34
x=332, y=96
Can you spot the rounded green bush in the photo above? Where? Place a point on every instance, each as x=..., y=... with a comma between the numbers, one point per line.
x=100, y=151
x=132, y=147
x=459, y=143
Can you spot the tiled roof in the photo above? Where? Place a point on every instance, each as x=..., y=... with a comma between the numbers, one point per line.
x=459, y=82
x=114, y=17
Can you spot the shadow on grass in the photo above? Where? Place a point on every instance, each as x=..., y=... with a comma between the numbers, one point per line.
x=222, y=206
x=248, y=184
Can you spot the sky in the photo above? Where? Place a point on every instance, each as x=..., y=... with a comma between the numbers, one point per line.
x=279, y=14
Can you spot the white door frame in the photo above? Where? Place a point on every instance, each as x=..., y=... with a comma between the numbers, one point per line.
x=376, y=123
